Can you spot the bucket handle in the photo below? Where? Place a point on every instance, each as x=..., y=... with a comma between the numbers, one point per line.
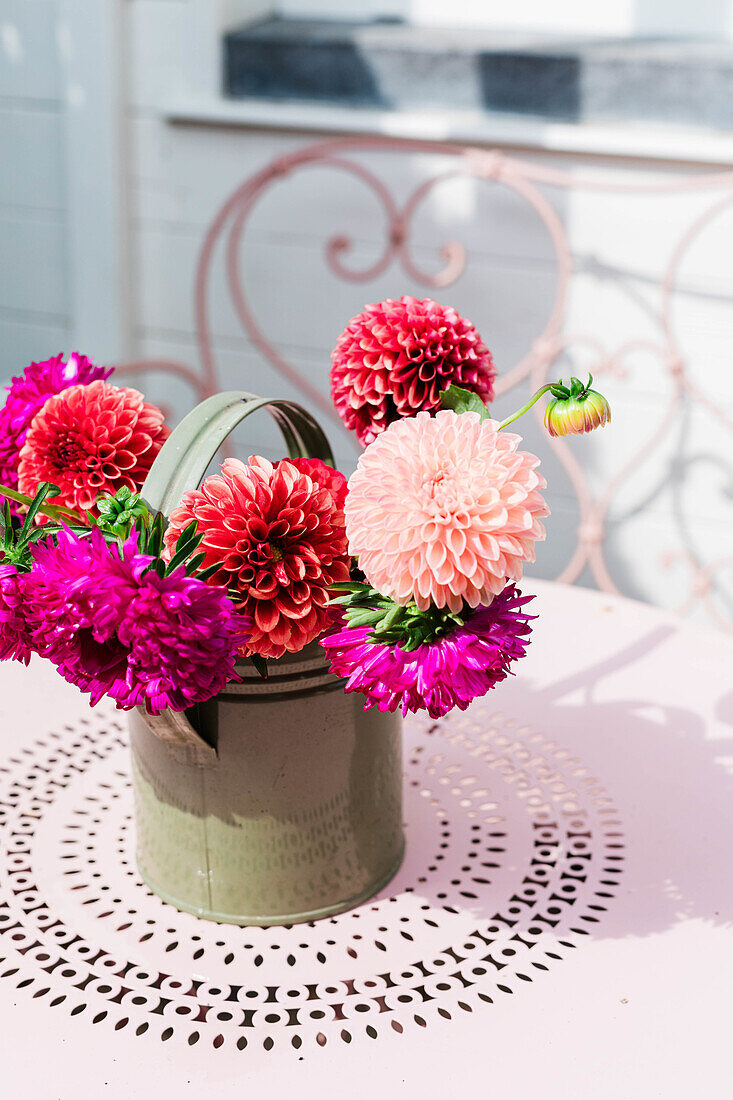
x=180, y=465
x=184, y=458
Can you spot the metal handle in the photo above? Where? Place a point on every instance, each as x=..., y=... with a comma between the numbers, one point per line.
x=185, y=456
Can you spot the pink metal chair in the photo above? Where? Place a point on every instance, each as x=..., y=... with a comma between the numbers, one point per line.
x=526, y=180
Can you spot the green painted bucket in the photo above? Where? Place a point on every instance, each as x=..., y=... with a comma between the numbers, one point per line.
x=278, y=801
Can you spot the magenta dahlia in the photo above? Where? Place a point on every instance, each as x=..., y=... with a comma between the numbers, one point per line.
x=15, y=642
x=76, y=596
x=26, y=395
x=91, y=439
x=277, y=536
x=183, y=638
x=450, y=671
x=113, y=626
x=396, y=357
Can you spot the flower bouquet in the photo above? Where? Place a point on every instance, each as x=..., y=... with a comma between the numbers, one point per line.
x=268, y=625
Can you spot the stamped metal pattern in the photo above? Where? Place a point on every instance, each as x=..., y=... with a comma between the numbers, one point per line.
x=514, y=854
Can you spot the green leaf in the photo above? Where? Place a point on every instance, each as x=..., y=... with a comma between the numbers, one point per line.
x=206, y=574
x=44, y=490
x=50, y=529
x=260, y=664
x=7, y=518
x=187, y=542
x=364, y=617
x=155, y=539
x=460, y=401
x=391, y=619
x=355, y=599
x=193, y=564
x=188, y=533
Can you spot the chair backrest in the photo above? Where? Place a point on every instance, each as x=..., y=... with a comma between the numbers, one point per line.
x=588, y=481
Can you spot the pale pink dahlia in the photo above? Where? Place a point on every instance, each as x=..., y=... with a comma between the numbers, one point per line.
x=444, y=509
x=278, y=538
x=26, y=395
x=89, y=440
x=396, y=357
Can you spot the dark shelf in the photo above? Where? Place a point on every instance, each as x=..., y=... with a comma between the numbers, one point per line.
x=396, y=66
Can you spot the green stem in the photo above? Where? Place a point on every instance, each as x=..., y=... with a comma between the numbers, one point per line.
x=525, y=408
x=55, y=511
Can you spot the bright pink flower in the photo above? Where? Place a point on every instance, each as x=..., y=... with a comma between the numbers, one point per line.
x=113, y=626
x=444, y=509
x=396, y=357
x=183, y=638
x=76, y=596
x=27, y=394
x=448, y=672
x=15, y=640
x=278, y=538
x=89, y=440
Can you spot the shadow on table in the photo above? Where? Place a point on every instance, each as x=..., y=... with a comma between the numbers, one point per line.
x=672, y=785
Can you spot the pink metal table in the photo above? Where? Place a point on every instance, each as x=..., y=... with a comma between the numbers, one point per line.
x=562, y=925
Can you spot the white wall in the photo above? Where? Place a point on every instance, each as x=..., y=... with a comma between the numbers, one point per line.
x=678, y=501
x=34, y=301
x=176, y=176
x=705, y=18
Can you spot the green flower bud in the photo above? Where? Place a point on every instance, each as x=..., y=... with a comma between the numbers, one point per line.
x=582, y=410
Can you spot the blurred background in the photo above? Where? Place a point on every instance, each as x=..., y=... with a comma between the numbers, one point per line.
x=597, y=235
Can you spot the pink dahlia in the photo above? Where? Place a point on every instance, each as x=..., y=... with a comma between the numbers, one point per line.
x=448, y=672
x=277, y=536
x=444, y=509
x=396, y=357
x=28, y=393
x=15, y=642
x=91, y=439
x=113, y=626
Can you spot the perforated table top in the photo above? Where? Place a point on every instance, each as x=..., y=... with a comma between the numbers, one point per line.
x=562, y=924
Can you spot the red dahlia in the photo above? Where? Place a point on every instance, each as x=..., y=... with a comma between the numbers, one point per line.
x=278, y=537
x=396, y=357
x=324, y=476
x=91, y=439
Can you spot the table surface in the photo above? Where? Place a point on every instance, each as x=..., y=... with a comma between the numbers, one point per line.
x=562, y=924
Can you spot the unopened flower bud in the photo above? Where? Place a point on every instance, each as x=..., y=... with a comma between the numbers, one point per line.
x=576, y=409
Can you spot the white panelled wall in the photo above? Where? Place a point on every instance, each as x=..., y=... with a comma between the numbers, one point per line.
x=175, y=176
x=712, y=18
x=34, y=301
